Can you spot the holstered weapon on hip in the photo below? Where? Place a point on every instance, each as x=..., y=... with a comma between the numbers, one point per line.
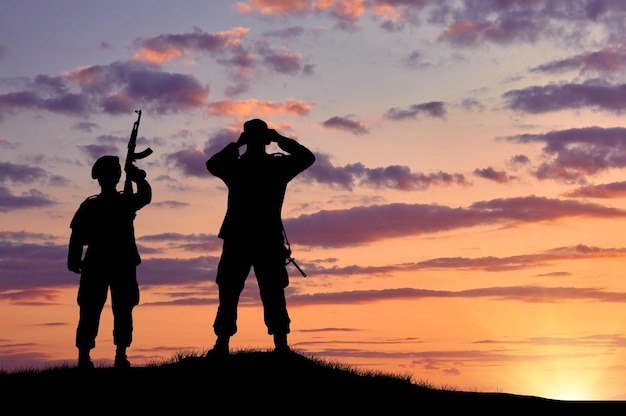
x=131, y=156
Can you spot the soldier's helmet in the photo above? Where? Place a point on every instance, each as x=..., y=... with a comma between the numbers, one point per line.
x=257, y=130
x=107, y=168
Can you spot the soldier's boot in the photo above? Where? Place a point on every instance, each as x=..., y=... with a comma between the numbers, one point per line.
x=121, y=361
x=220, y=348
x=84, y=359
x=280, y=343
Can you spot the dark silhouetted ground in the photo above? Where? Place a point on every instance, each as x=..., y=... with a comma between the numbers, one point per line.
x=258, y=381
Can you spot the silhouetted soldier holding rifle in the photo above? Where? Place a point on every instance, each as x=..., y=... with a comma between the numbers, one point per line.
x=252, y=230
x=104, y=223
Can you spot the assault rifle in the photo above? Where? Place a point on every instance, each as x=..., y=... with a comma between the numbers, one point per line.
x=293, y=261
x=131, y=156
x=290, y=259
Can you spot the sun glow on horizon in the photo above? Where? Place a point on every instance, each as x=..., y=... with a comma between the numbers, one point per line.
x=574, y=383
x=570, y=390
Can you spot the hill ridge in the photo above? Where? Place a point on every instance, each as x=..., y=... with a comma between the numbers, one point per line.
x=243, y=381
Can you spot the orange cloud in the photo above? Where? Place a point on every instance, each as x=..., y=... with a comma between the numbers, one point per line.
x=260, y=108
x=82, y=74
x=347, y=8
x=157, y=57
x=342, y=8
x=385, y=10
x=459, y=28
x=164, y=48
x=273, y=6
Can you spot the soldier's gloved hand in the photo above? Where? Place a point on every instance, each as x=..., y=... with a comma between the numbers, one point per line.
x=135, y=174
x=273, y=135
x=74, y=265
x=243, y=139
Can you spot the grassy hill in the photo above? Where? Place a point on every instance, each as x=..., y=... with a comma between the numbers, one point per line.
x=258, y=381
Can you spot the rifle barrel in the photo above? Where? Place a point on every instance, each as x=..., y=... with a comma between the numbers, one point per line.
x=131, y=156
x=292, y=260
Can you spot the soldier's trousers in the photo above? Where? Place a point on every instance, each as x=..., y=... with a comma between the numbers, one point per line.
x=92, y=295
x=268, y=262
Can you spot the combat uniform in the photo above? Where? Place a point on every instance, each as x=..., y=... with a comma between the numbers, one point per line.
x=105, y=225
x=252, y=230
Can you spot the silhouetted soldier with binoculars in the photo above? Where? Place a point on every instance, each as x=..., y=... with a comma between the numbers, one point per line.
x=252, y=230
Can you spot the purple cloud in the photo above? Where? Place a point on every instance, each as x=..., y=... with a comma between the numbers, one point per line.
x=193, y=242
x=85, y=126
x=531, y=294
x=347, y=124
x=555, y=97
x=5, y=144
x=29, y=199
x=114, y=89
x=21, y=173
x=366, y=224
x=607, y=60
x=229, y=49
x=32, y=271
x=432, y=109
x=192, y=161
x=609, y=190
x=29, y=267
x=488, y=264
x=493, y=175
x=577, y=152
x=166, y=46
x=504, y=30
x=392, y=177
x=281, y=62
x=520, y=160
x=94, y=151
x=21, y=236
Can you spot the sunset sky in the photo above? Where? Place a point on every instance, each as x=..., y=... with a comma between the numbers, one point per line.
x=464, y=222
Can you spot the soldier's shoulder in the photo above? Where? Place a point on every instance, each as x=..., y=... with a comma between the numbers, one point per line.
x=90, y=200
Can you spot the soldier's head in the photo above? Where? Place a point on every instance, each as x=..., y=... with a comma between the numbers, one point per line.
x=257, y=133
x=107, y=170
